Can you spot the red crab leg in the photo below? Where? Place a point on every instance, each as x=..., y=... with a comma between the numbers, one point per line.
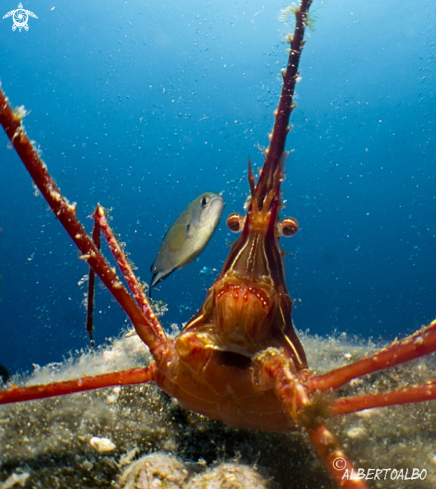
x=150, y=332
x=126, y=270
x=339, y=465
x=131, y=376
x=417, y=345
x=417, y=393
x=298, y=405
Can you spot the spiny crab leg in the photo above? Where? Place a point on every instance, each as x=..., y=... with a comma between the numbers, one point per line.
x=416, y=393
x=332, y=453
x=306, y=413
x=417, y=345
x=130, y=376
x=130, y=278
x=149, y=331
x=126, y=269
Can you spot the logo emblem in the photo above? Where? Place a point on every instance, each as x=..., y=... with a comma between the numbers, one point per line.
x=20, y=18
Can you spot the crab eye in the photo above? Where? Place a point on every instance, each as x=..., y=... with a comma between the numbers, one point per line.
x=204, y=201
x=235, y=222
x=289, y=226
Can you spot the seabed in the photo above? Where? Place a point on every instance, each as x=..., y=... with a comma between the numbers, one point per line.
x=136, y=437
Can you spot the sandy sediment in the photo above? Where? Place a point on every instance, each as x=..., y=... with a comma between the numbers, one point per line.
x=137, y=437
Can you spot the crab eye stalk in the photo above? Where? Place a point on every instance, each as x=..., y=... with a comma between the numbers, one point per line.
x=288, y=227
x=235, y=222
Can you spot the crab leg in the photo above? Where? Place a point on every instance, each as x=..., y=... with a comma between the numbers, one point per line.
x=126, y=269
x=417, y=345
x=417, y=393
x=131, y=376
x=129, y=276
x=302, y=410
x=149, y=331
x=339, y=465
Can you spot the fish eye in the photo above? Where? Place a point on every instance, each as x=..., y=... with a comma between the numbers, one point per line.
x=204, y=201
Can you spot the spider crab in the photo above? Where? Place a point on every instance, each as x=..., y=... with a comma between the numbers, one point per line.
x=238, y=360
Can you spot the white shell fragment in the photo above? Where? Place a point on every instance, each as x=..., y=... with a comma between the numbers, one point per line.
x=102, y=445
x=14, y=480
x=357, y=432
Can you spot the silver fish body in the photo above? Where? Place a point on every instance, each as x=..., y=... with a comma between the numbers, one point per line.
x=188, y=236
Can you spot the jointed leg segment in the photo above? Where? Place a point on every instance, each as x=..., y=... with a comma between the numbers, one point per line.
x=417, y=345
x=131, y=376
x=148, y=329
x=299, y=406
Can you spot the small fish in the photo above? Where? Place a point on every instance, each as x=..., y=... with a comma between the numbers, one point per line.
x=188, y=236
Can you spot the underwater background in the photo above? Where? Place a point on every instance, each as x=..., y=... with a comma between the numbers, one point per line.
x=143, y=106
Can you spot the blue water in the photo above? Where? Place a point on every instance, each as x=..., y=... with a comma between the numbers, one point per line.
x=141, y=107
